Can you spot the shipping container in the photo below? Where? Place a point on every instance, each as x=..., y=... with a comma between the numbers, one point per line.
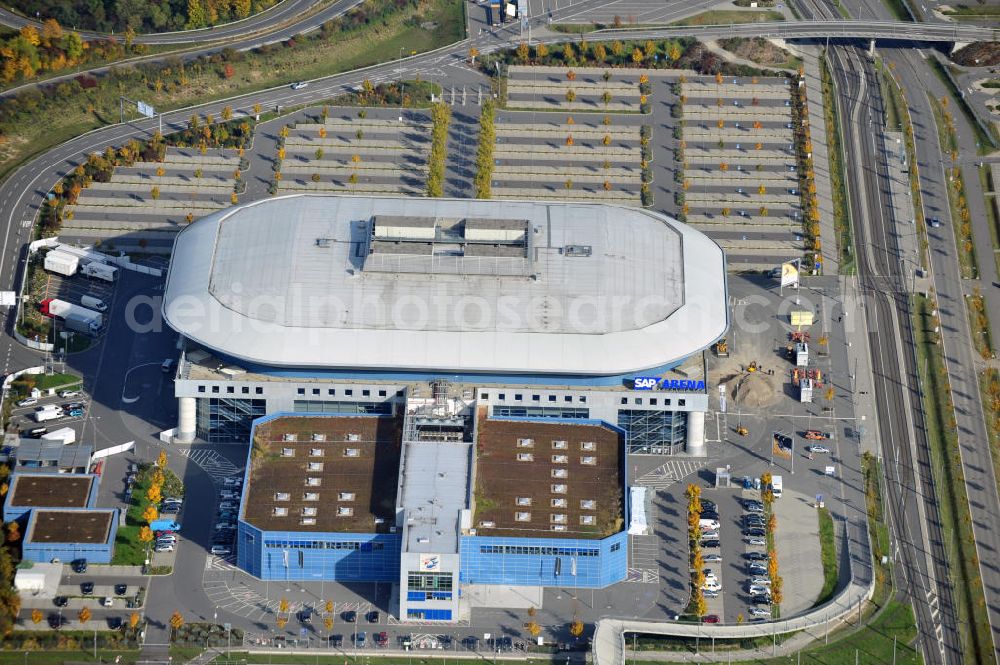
x=100, y=271
x=65, y=434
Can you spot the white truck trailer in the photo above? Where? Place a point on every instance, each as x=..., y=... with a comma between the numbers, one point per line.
x=61, y=263
x=100, y=271
x=76, y=317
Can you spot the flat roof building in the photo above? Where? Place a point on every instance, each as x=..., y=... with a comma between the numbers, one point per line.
x=443, y=285
x=48, y=490
x=45, y=455
x=354, y=304
x=68, y=534
x=439, y=535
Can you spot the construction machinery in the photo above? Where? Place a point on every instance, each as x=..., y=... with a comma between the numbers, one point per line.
x=742, y=431
x=752, y=367
x=722, y=348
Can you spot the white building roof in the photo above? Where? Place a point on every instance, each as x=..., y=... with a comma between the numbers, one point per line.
x=598, y=290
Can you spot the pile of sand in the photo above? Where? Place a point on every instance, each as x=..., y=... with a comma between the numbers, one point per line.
x=755, y=390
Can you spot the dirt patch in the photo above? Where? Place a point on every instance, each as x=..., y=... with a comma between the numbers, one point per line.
x=759, y=50
x=754, y=390
x=979, y=54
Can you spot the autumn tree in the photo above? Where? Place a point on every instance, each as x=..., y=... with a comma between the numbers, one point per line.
x=133, y=620
x=176, y=621
x=533, y=628
x=13, y=532
x=36, y=615
x=150, y=513
x=84, y=615
x=576, y=628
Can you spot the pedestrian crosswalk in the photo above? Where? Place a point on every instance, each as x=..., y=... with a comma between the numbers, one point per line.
x=668, y=473
x=214, y=464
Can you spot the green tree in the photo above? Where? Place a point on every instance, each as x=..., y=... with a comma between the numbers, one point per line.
x=197, y=17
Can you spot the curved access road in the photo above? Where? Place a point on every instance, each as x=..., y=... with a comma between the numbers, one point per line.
x=282, y=14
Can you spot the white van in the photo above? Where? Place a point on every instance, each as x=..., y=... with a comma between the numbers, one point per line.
x=91, y=302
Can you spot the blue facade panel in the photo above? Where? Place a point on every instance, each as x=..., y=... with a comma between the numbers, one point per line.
x=552, y=562
x=66, y=552
x=299, y=555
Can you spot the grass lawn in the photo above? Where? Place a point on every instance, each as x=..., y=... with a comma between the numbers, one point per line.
x=441, y=22
x=54, y=657
x=46, y=381
x=725, y=16
x=129, y=550
x=878, y=530
x=835, y=154
x=948, y=140
x=949, y=482
x=992, y=212
x=828, y=548
x=985, y=141
x=967, y=12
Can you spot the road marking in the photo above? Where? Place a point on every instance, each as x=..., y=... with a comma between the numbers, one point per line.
x=668, y=473
x=212, y=463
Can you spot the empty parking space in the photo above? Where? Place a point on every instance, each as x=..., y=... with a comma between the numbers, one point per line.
x=145, y=204
x=373, y=151
x=743, y=170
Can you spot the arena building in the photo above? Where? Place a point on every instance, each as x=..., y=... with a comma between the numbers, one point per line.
x=357, y=305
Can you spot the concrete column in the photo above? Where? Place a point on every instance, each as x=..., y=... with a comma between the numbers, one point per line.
x=187, y=408
x=695, y=444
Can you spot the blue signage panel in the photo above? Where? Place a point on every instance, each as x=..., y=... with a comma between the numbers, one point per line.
x=656, y=383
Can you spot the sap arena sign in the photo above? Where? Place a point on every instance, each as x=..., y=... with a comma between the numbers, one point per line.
x=656, y=383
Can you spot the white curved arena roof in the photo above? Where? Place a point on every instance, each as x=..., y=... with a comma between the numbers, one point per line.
x=452, y=285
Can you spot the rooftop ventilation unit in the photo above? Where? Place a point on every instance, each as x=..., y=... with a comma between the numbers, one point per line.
x=323, y=242
x=577, y=250
x=319, y=437
x=289, y=437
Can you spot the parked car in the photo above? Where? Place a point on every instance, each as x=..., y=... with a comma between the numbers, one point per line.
x=817, y=449
x=760, y=581
x=757, y=556
x=66, y=394
x=350, y=616
x=55, y=621
x=27, y=401
x=708, y=525
x=75, y=413
x=760, y=599
x=754, y=532
x=121, y=589
x=60, y=601
x=709, y=594
x=79, y=565
x=711, y=585
x=755, y=541
x=336, y=641
x=108, y=601
x=35, y=432
x=759, y=590
x=753, y=506
x=299, y=85
x=372, y=617
x=709, y=534
x=710, y=544
x=710, y=516
x=816, y=435
x=115, y=623
x=757, y=569
x=305, y=616
x=165, y=547
x=710, y=618
x=69, y=406
x=87, y=588
x=708, y=506
x=712, y=558
x=228, y=505
x=935, y=222
x=359, y=639
x=382, y=639
x=220, y=550
x=758, y=612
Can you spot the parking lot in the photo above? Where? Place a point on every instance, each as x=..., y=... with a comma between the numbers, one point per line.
x=742, y=170
x=146, y=204
x=384, y=152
